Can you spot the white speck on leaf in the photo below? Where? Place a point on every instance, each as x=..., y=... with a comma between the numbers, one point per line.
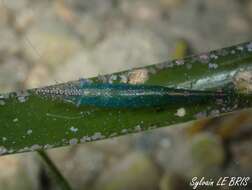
x=213, y=56
x=181, y=112
x=29, y=132
x=180, y=62
x=22, y=96
x=138, y=128
x=21, y=99
x=15, y=120
x=212, y=66
x=4, y=138
x=73, y=129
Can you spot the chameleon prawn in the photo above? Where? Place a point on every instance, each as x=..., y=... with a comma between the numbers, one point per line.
x=131, y=96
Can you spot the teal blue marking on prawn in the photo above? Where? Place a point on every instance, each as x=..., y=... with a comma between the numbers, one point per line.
x=132, y=96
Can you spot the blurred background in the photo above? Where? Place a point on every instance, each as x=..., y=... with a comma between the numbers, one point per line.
x=49, y=41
